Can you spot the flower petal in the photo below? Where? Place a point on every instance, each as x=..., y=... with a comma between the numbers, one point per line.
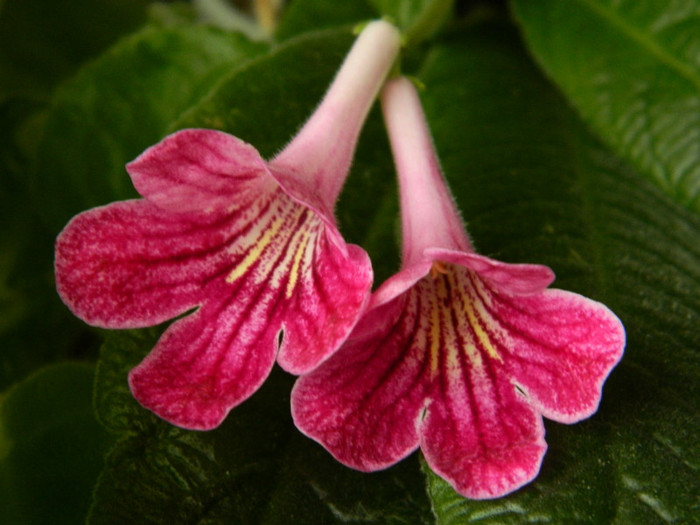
x=363, y=404
x=479, y=434
x=207, y=363
x=331, y=291
x=563, y=348
x=197, y=170
x=130, y=264
x=281, y=274
x=509, y=278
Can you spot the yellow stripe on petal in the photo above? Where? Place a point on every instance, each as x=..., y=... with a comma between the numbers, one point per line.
x=481, y=334
x=435, y=336
x=456, y=320
x=300, y=253
x=256, y=251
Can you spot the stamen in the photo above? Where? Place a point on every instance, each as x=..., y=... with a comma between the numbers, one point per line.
x=438, y=268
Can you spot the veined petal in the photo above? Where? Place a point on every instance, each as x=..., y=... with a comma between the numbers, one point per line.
x=562, y=348
x=130, y=264
x=480, y=436
x=331, y=289
x=207, y=363
x=198, y=170
x=426, y=368
x=478, y=433
x=364, y=403
x=282, y=275
x=509, y=278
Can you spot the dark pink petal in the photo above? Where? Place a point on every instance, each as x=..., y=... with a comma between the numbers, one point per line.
x=208, y=362
x=131, y=264
x=496, y=349
x=331, y=290
x=480, y=435
x=429, y=367
x=198, y=170
x=282, y=275
x=561, y=348
x=364, y=403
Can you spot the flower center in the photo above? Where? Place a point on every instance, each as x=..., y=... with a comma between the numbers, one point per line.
x=279, y=245
x=457, y=322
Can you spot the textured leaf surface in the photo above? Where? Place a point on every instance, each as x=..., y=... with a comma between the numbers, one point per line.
x=632, y=70
x=121, y=104
x=255, y=468
x=534, y=186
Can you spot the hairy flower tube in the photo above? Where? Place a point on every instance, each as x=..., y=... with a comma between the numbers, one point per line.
x=248, y=249
x=457, y=354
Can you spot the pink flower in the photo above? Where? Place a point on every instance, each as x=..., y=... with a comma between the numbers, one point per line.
x=458, y=354
x=249, y=250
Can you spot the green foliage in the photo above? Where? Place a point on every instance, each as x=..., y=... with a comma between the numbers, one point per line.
x=43, y=41
x=592, y=168
x=122, y=103
x=51, y=447
x=632, y=71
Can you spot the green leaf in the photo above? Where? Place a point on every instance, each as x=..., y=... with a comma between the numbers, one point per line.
x=43, y=41
x=35, y=327
x=121, y=104
x=302, y=16
x=51, y=447
x=631, y=70
x=417, y=19
x=535, y=186
x=254, y=468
